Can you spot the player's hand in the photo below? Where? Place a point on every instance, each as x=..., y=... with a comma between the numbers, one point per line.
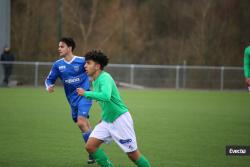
x=248, y=81
x=51, y=89
x=80, y=91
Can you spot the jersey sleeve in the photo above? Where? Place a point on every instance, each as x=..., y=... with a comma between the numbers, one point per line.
x=51, y=78
x=247, y=62
x=105, y=91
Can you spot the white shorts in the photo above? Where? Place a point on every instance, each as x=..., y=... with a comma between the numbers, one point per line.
x=121, y=131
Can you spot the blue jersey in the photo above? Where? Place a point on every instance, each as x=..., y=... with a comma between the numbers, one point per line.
x=72, y=75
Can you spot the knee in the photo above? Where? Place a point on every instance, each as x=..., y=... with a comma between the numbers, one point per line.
x=134, y=155
x=90, y=148
x=82, y=122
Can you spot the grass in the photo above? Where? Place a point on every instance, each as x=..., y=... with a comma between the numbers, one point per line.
x=174, y=128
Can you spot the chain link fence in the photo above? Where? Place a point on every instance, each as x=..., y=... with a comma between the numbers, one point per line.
x=143, y=76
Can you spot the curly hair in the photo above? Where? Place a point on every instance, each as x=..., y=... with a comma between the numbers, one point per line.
x=98, y=57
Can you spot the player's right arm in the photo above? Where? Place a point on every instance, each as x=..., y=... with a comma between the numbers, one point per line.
x=51, y=79
x=105, y=89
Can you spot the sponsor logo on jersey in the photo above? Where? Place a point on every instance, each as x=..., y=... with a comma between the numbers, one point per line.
x=73, y=80
x=62, y=68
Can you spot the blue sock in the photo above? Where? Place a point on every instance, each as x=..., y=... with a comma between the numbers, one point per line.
x=85, y=135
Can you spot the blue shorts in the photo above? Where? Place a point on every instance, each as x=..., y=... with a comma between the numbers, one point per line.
x=82, y=109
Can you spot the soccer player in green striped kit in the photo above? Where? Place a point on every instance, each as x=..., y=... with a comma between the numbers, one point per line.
x=116, y=122
x=247, y=66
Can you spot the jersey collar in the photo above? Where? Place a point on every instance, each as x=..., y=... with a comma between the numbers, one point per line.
x=69, y=62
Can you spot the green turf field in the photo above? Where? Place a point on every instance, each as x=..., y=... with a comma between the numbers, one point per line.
x=174, y=128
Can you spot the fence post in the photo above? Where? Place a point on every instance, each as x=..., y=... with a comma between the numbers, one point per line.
x=222, y=78
x=177, y=85
x=36, y=73
x=184, y=74
x=132, y=67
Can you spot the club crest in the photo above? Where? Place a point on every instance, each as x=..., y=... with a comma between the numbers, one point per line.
x=76, y=68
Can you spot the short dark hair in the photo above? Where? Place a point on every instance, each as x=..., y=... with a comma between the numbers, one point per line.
x=69, y=42
x=98, y=57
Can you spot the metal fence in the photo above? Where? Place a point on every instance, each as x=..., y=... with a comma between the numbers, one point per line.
x=144, y=76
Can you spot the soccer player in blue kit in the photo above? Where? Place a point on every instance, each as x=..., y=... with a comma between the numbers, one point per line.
x=70, y=69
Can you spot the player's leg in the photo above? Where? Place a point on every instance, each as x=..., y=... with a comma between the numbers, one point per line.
x=83, y=123
x=124, y=135
x=82, y=120
x=248, y=84
x=138, y=159
x=97, y=137
x=248, y=87
x=79, y=116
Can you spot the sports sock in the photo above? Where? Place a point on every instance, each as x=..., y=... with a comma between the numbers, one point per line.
x=86, y=135
x=142, y=162
x=101, y=158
